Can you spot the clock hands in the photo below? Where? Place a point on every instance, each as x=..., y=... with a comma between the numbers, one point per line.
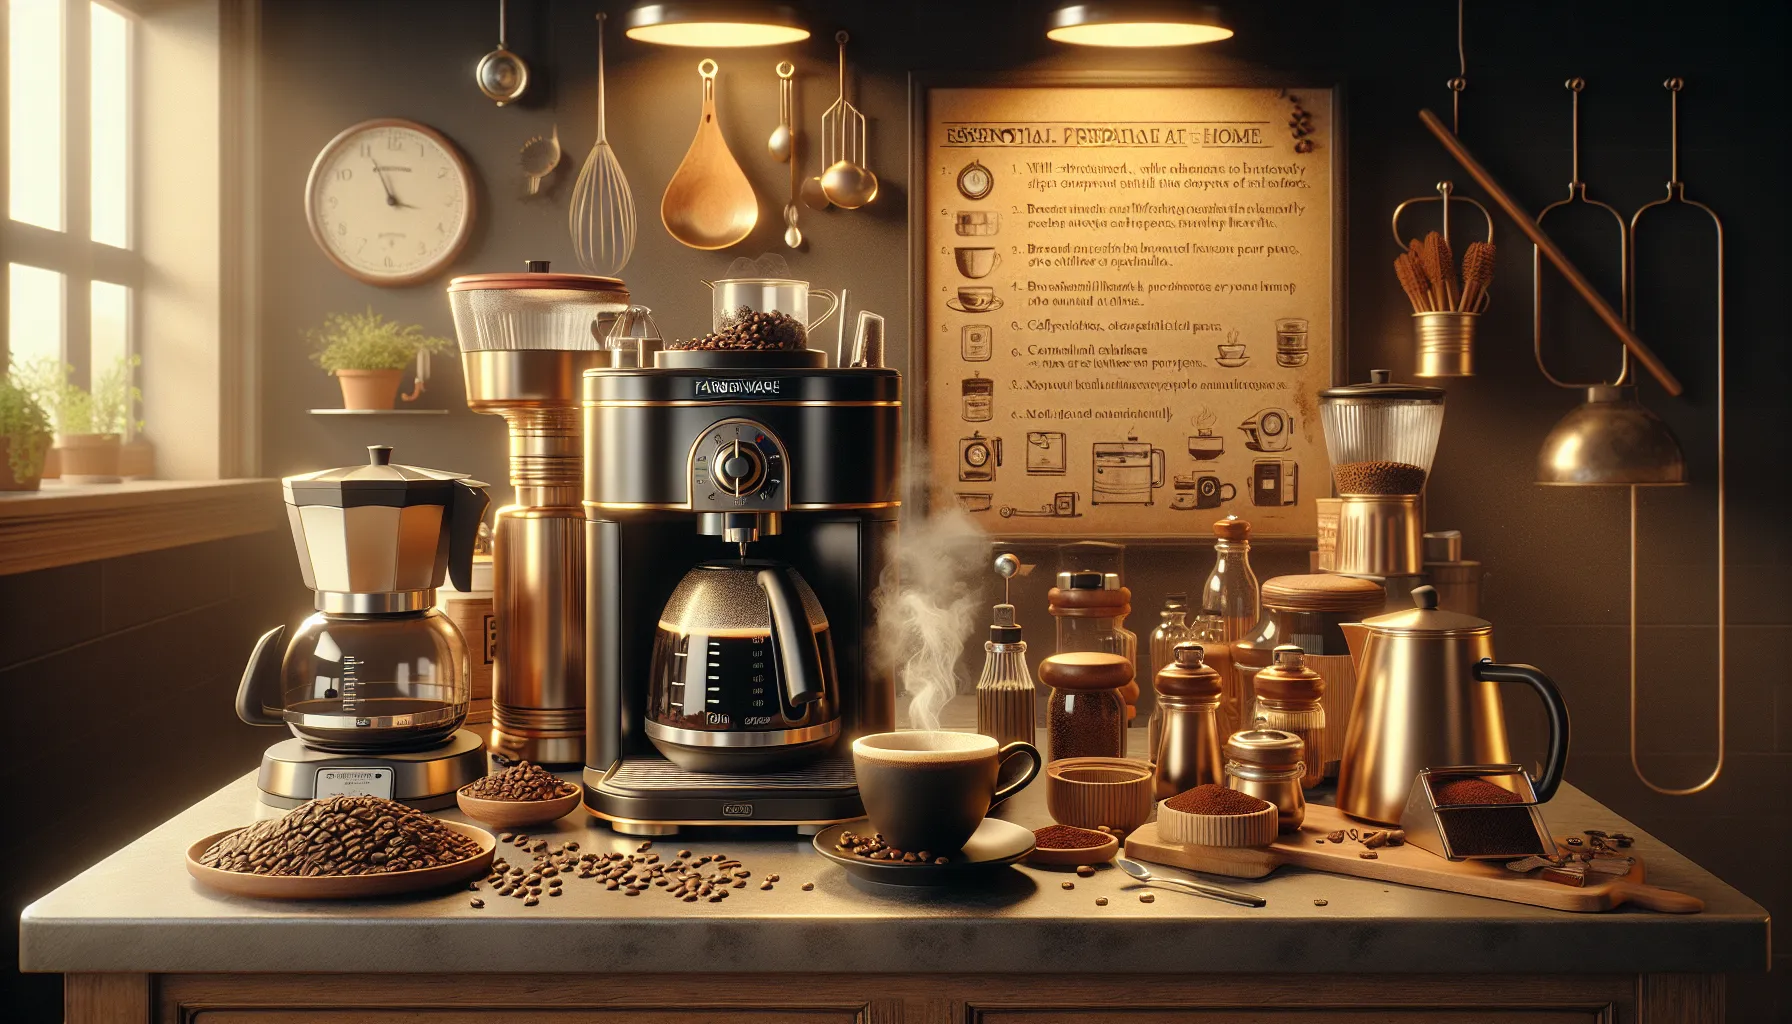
x=386, y=183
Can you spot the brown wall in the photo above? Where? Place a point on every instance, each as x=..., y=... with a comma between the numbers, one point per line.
x=1555, y=559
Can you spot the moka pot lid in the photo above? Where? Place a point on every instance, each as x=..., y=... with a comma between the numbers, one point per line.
x=379, y=482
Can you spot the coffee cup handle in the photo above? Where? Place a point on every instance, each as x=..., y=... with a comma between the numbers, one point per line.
x=1032, y=754
x=1228, y=487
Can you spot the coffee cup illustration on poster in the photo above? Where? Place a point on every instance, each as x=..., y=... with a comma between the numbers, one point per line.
x=1146, y=315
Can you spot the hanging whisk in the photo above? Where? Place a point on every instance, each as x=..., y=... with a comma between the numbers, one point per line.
x=602, y=216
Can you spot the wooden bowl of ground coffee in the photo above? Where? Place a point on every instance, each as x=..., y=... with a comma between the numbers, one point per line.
x=1212, y=815
x=520, y=795
x=1088, y=792
x=359, y=847
x=1069, y=846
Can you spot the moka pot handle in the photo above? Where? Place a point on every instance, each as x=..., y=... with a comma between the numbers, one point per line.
x=1557, y=761
x=798, y=656
x=261, y=679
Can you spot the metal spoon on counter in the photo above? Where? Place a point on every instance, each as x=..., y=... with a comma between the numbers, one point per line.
x=1143, y=874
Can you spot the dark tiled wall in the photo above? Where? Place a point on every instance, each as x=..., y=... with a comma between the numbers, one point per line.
x=119, y=678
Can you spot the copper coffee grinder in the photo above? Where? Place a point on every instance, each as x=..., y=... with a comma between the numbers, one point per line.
x=525, y=339
x=739, y=508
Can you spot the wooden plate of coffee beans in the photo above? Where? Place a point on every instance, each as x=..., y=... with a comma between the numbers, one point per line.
x=517, y=813
x=344, y=887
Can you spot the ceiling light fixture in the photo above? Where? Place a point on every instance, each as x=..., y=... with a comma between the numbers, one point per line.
x=1137, y=23
x=714, y=24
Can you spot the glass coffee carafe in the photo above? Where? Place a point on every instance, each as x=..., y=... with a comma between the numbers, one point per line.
x=377, y=668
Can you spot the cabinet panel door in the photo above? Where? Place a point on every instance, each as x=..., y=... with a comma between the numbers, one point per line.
x=1288, y=1015
x=461, y=1015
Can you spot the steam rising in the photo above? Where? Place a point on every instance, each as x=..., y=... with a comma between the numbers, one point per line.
x=928, y=605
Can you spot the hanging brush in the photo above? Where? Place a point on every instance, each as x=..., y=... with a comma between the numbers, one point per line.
x=1406, y=268
x=1440, y=266
x=1477, y=276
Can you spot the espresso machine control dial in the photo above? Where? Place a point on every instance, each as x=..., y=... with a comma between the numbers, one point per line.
x=738, y=465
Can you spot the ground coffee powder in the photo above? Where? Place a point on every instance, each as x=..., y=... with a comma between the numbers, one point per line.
x=1068, y=837
x=1470, y=790
x=1214, y=799
x=1491, y=831
x=1378, y=477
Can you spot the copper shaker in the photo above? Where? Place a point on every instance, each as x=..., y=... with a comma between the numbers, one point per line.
x=1187, y=752
x=1290, y=697
x=1268, y=764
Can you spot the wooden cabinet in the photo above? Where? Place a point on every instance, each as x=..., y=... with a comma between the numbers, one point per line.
x=693, y=997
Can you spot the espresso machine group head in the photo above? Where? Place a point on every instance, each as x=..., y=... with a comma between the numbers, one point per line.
x=738, y=510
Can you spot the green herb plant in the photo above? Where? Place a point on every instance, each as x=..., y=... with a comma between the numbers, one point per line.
x=25, y=428
x=368, y=341
x=106, y=408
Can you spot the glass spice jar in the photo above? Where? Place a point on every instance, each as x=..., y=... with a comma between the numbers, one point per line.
x=1086, y=716
x=1290, y=698
x=1005, y=693
x=1229, y=605
x=1172, y=628
x=1090, y=609
x=1268, y=764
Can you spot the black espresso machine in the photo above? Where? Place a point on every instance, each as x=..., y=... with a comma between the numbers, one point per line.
x=739, y=507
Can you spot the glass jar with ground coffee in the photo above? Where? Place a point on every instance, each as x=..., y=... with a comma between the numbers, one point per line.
x=1290, y=697
x=1269, y=764
x=1090, y=609
x=1087, y=717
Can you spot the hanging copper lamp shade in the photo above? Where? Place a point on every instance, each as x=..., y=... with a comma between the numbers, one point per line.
x=1610, y=439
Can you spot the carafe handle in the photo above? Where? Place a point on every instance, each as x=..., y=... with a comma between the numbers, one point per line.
x=1486, y=671
x=797, y=653
x=261, y=679
x=464, y=516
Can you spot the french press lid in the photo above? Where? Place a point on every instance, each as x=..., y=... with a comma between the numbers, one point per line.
x=1425, y=618
x=1189, y=675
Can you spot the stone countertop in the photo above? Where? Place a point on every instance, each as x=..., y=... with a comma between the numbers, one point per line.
x=139, y=911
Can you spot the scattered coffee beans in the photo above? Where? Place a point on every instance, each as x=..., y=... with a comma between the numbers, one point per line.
x=873, y=847
x=1085, y=871
x=521, y=781
x=1101, y=901
x=1320, y=903
x=1147, y=898
x=477, y=902
x=341, y=835
x=1066, y=885
x=1212, y=799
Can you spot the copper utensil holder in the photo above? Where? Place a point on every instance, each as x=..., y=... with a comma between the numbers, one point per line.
x=1446, y=343
x=1428, y=825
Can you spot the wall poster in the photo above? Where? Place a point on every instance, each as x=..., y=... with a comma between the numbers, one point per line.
x=1127, y=304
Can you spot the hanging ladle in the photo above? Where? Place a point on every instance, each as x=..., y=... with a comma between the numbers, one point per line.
x=501, y=75
x=847, y=182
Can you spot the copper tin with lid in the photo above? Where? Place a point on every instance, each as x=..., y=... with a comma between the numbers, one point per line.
x=1269, y=764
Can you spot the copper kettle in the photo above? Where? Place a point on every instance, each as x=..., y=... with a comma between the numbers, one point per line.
x=1427, y=694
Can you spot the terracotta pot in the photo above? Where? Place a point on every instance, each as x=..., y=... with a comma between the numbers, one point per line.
x=137, y=460
x=369, y=389
x=9, y=482
x=89, y=458
x=52, y=464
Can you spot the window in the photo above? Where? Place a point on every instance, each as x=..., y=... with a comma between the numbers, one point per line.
x=73, y=269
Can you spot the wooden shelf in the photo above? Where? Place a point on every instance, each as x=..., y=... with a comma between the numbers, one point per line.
x=63, y=524
x=379, y=412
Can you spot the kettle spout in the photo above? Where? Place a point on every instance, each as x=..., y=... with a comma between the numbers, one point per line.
x=1356, y=637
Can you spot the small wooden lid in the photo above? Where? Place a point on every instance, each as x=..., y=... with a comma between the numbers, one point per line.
x=1232, y=528
x=1089, y=602
x=1324, y=592
x=1189, y=675
x=1289, y=678
x=1085, y=670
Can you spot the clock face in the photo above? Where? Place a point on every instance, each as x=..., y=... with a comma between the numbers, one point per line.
x=975, y=181
x=390, y=201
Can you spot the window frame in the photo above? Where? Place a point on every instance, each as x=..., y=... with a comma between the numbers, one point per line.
x=72, y=251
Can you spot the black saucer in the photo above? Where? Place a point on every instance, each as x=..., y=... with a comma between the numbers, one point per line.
x=995, y=844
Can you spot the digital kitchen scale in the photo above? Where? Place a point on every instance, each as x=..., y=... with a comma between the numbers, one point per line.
x=292, y=773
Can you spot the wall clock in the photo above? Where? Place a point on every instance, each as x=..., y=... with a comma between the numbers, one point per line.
x=390, y=201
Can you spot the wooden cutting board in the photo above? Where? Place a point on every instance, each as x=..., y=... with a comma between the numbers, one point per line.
x=1408, y=865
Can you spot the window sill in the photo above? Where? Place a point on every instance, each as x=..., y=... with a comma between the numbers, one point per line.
x=63, y=524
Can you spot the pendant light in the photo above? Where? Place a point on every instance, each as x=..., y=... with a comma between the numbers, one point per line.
x=725, y=23
x=1137, y=23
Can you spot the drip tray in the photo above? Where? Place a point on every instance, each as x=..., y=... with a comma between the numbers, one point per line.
x=653, y=796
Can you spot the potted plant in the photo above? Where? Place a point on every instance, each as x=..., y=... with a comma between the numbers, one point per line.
x=89, y=423
x=368, y=354
x=25, y=437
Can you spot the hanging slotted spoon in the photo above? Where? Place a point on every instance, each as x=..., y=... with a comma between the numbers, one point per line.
x=709, y=204
x=602, y=215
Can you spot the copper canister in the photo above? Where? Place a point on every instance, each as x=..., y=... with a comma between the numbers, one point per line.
x=1306, y=610
x=1187, y=751
x=1268, y=764
x=1290, y=697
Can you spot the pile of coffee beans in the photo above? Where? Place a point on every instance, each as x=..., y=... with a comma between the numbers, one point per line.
x=686, y=877
x=750, y=330
x=341, y=835
x=521, y=781
x=873, y=847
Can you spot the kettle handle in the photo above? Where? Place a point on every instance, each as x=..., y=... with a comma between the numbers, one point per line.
x=797, y=653
x=464, y=516
x=1488, y=672
x=261, y=678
